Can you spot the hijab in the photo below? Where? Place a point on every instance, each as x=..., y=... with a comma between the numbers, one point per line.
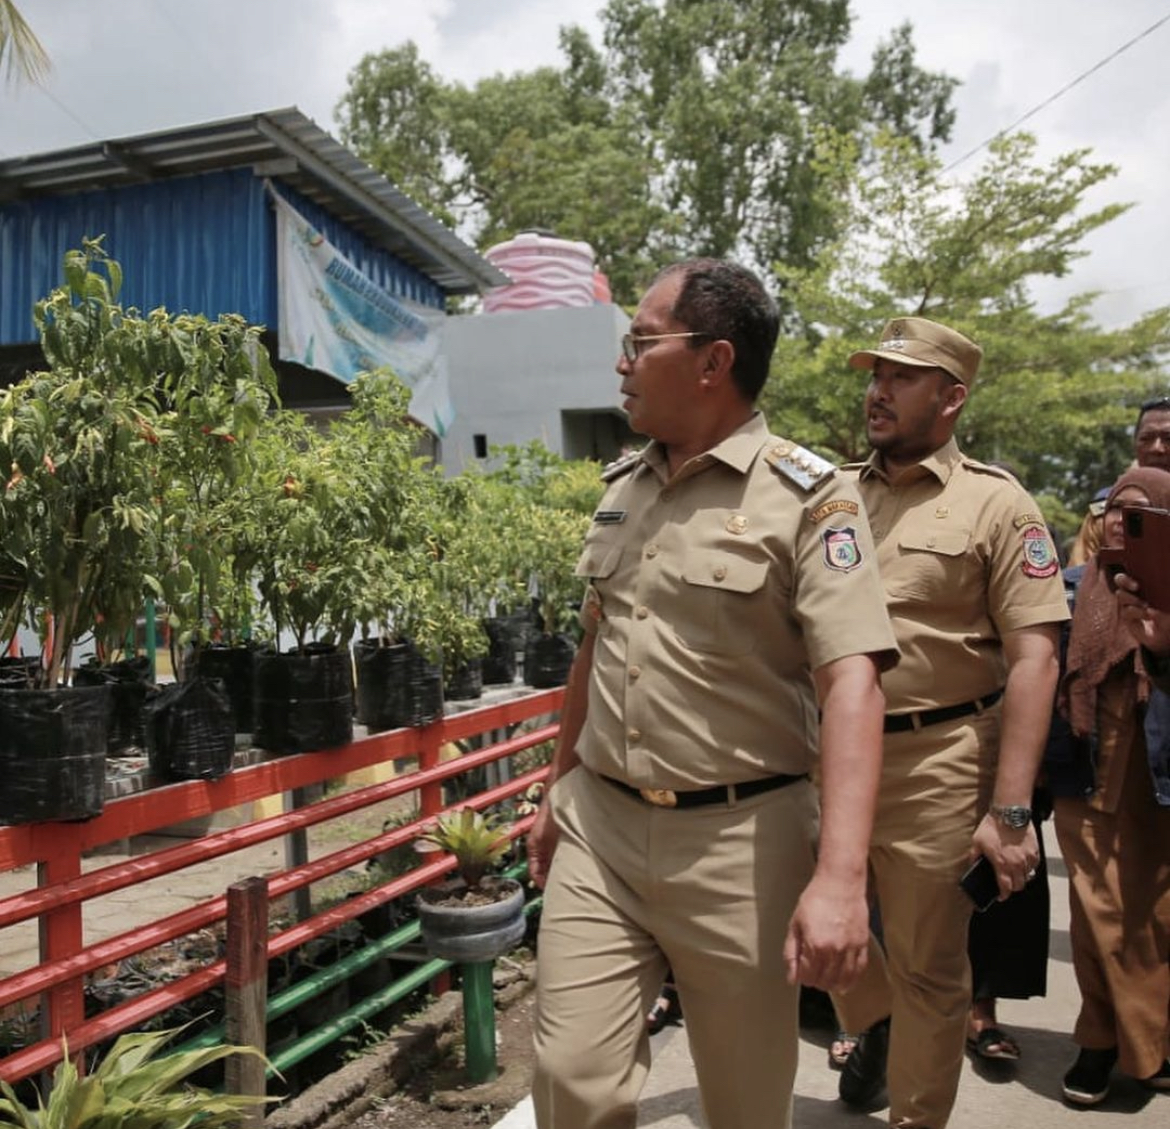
x=1099, y=640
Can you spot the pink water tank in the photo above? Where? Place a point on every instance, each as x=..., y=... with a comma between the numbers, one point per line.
x=547, y=273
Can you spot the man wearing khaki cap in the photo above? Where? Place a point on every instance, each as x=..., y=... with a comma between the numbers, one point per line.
x=974, y=593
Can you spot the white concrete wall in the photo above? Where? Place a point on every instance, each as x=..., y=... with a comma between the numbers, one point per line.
x=534, y=374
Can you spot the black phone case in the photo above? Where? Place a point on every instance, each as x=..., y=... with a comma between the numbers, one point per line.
x=980, y=884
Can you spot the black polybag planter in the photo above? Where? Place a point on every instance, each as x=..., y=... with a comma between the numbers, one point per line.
x=53, y=753
x=466, y=681
x=499, y=664
x=547, y=661
x=396, y=686
x=18, y=672
x=191, y=730
x=129, y=681
x=233, y=667
x=302, y=700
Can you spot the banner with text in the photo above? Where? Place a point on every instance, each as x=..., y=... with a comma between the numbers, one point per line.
x=336, y=319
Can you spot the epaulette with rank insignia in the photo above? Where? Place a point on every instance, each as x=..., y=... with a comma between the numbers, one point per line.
x=620, y=466
x=798, y=464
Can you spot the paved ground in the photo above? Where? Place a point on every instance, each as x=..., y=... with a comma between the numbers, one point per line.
x=1024, y=1094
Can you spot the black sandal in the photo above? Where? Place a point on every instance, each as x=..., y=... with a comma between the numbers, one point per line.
x=666, y=1012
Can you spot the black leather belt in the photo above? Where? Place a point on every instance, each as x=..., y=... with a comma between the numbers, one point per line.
x=723, y=794
x=900, y=722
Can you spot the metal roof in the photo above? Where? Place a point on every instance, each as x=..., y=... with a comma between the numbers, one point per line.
x=284, y=145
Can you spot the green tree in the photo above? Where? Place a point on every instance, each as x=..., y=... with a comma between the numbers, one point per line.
x=1056, y=391
x=690, y=131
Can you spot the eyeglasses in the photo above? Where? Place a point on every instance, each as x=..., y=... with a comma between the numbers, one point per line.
x=632, y=341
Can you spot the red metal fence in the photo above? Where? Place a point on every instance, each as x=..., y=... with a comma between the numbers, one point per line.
x=57, y=982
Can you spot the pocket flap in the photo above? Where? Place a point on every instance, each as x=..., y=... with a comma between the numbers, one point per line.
x=722, y=570
x=945, y=542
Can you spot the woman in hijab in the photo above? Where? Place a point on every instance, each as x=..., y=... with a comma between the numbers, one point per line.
x=1116, y=840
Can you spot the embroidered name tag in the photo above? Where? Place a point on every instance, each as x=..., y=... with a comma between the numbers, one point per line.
x=609, y=517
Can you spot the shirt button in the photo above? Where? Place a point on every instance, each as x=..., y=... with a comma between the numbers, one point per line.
x=720, y=572
x=930, y=542
x=634, y=735
x=635, y=673
x=641, y=611
x=651, y=550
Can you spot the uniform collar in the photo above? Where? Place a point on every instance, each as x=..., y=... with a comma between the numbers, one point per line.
x=940, y=463
x=737, y=451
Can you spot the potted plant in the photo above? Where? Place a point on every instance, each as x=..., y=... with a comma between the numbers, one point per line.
x=553, y=538
x=133, y=1085
x=306, y=532
x=219, y=386
x=473, y=919
x=77, y=507
x=554, y=502
x=478, y=916
x=398, y=603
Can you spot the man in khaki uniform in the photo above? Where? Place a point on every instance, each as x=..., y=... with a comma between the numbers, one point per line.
x=730, y=588
x=974, y=594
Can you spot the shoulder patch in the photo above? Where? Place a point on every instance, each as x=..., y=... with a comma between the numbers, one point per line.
x=1040, y=561
x=620, y=466
x=798, y=464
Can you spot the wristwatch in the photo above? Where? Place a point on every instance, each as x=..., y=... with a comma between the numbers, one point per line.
x=1015, y=816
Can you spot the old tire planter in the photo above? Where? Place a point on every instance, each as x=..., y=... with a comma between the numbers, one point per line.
x=467, y=933
x=53, y=753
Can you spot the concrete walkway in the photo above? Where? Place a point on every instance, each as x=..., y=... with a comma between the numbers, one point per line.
x=1005, y=1096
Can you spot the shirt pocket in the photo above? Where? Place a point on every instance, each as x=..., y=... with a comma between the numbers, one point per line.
x=722, y=602
x=930, y=564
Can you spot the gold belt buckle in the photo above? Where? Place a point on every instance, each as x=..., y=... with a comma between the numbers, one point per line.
x=659, y=797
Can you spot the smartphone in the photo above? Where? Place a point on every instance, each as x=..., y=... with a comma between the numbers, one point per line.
x=980, y=884
x=1147, y=546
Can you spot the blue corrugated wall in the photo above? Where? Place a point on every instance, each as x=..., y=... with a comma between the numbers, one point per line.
x=204, y=244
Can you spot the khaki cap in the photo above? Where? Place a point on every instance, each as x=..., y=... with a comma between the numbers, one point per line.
x=924, y=344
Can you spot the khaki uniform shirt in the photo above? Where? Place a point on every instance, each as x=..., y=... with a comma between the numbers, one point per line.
x=965, y=557
x=713, y=595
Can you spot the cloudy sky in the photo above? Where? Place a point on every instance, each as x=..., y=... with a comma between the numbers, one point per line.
x=122, y=67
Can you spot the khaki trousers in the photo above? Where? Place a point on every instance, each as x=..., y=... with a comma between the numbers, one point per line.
x=709, y=890
x=936, y=783
x=1119, y=900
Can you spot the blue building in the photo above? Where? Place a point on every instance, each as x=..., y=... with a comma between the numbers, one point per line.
x=193, y=217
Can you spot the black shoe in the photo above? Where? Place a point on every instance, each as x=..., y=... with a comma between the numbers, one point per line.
x=1161, y=1079
x=1087, y=1082
x=863, y=1077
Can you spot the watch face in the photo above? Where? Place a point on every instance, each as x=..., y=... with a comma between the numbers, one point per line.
x=1015, y=817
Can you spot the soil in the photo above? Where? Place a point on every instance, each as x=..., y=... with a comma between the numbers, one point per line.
x=437, y=1095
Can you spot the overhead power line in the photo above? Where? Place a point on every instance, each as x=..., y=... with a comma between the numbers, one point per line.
x=1062, y=91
